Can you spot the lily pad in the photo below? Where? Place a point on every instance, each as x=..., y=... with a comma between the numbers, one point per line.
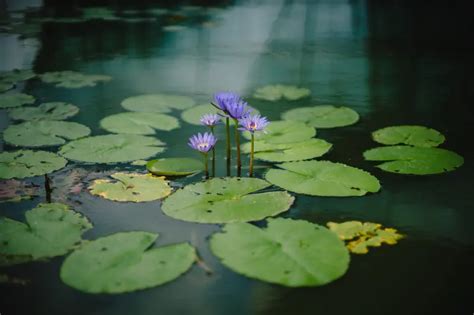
x=157, y=103
x=323, y=178
x=286, y=152
x=293, y=253
x=417, y=136
x=323, y=116
x=44, y=133
x=15, y=100
x=13, y=190
x=27, y=163
x=131, y=187
x=5, y=86
x=112, y=148
x=99, y=13
x=175, y=166
x=16, y=75
x=225, y=200
x=279, y=91
x=46, y=111
x=194, y=114
x=139, y=123
x=121, y=263
x=284, y=132
x=403, y=159
x=364, y=235
x=73, y=79
x=51, y=229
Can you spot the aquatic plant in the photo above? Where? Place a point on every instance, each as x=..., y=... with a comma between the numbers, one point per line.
x=252, y=123
x=203, y=143
x=211, y=120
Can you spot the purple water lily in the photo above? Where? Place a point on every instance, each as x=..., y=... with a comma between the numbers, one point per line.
x=210, y=120
x=202, y=142
x=238, y=110
x=253, y=123
x=223, y=99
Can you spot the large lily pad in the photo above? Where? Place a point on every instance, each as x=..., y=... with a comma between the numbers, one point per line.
x=157, y=103
x=112, y=148
x=121, y=263
x=99, y=13
x=279, y=91
x=405, y=159
x=284, y=132
x=288, y=252
x=16, y=75
x=139, y=123
x=194, y=114
x=46, y=111
x=44, y=133
x=417, y=136
x=175, y=166
x=5, y=86
x=323, y=178
x=131, y=187
x=73, y=79
x=51, y=229
x=323, y=116
x=225, y=200
x=15, y=100
x=27, y=163
x=286, y=152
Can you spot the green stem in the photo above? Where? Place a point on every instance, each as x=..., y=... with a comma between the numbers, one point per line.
x=213, y=156
x=237, y=144
x=227, y=131
x=251, y=155
x=206, y=168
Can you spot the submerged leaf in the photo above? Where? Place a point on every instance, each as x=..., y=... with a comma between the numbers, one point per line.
x=138, y=123
x=121, y=263
x=175, y=166
x=72, y=79
x=13, y=190
x=323, y=116
x=46, y=111
x=157, y=103
x=224, y=200
x=279, y=91
x=51, y=230
x=293, y=253
x=15, y=100
x=131, y=187
x=27, y=163
x=417, y=136
x=404, y=159
x=323, y=178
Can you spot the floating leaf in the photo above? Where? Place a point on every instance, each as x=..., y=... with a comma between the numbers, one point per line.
x=279, y=91
x=5, y=86
x=121, y=263
x=323, y=178
x=224, y=200
x=112, y=148
x=157, y=103
x=13, y=190
x=138, y=123
x=174, y=28
x=174, y=166
x=417, y=136
x=293, y=253
x=404, y=159
x=323, y=116
x=15, y=100
x=363, y=235
x=98, y=13
x=139, y=163
x=194, y=114
x=284, y=132
x=46, y=111
x=16, y=75
x=44, y=133
x=131, y=187
x=72, y=79
x=51, y=229
x=27, y=163
x=286, y=152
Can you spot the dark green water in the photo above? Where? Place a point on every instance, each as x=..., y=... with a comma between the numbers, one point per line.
x=394, y=63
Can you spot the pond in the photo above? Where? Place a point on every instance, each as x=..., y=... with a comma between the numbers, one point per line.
x=390, y=63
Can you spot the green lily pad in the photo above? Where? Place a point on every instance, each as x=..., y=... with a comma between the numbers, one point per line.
x=194, y=114
x=175, y=166
x=293, y=253
x=131, y=187
x=323, y=178
x=286, y=152
x=15, y=100
x=16, y=75
x=225, y=200
x=27, y=163
x=284, y=132
x=403, y=159
x=5, y=86
x=73, y=79
x=139, y=123
x=157, y=103
x=46, y=111
x=44, y=133
x=279, y=91
x=51, y=229
x=99, y=13
x=121, y=263
x=112, y=148
x=323, y=116
x=417, y=136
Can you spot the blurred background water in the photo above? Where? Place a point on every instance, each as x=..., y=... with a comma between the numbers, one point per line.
x=394, y=62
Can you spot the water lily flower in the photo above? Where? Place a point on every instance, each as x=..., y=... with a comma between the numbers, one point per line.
x=223, y=99
x=238, y=110
x=253, y=123
x=202, y=142
x=210, y=120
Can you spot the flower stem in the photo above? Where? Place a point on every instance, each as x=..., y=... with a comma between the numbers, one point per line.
x=213, y=158
x=251, y=155
x=227, y=131
x=206, y=168
x=237, y=144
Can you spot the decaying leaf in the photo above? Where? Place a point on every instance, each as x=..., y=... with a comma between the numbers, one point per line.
x=13, y=190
